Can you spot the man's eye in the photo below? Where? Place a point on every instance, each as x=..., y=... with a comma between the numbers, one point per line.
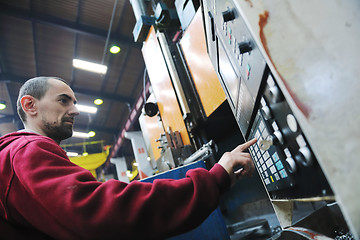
x=63, y=101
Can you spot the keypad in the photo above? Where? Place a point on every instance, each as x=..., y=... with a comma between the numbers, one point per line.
x=268, y=162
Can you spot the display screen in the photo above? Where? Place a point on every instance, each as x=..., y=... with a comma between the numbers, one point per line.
x=228, y=75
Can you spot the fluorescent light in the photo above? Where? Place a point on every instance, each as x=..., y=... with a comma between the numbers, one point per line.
x=72, y=154
x=83, y=135
x=80, y=135
x=87, y=109
x=89, y=66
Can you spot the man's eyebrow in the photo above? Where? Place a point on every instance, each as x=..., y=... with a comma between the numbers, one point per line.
x=68, y=97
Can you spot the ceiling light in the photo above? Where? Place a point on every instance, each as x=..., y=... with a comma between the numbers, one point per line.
x=98, y=101
x=87, y=109
x=72, y=154
x=115, y=49
x=2, y=105
x=84, y=135
x=80, y=135
x=91, y=134
x=89, y=66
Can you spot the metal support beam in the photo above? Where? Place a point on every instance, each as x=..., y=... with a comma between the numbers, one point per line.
x=77, y=90
x=64, y=24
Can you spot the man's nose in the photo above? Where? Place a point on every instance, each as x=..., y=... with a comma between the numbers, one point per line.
x=74, y=111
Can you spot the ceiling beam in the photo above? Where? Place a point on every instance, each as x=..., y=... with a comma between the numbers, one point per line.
x=33, y=27
x=77, y=90
x=64, y=24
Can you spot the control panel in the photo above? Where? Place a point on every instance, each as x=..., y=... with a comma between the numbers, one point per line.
x=282, y=155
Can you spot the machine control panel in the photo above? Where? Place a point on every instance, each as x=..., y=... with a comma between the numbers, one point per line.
x=282, y=155
x=268, y=161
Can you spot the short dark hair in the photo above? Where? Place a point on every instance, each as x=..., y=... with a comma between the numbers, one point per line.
x=36, y=87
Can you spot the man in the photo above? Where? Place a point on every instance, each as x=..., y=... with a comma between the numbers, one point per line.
x=43, y=194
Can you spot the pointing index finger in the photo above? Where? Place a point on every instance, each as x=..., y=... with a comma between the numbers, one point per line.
x=244, y=146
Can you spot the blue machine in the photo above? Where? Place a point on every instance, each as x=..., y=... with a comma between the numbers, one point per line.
x=214, y=227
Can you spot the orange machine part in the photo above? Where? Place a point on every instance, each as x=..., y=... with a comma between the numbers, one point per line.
x=161, y=84
x=207, y=83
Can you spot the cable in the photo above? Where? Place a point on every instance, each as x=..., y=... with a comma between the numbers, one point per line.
x=109, y=32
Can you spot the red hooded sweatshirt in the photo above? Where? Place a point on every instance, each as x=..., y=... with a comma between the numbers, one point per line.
x=42, y=192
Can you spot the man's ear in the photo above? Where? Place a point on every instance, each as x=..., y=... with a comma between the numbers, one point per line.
x=28, y=104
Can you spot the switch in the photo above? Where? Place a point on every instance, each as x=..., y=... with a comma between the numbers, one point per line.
x=291, y=122
x=228, y=15
x=244, y=47
x=275, y=94
x=277, y=137
x=266, y=112
x=304, y=157
x=291, y=164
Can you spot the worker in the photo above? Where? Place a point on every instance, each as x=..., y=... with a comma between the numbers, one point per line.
x=45, y=196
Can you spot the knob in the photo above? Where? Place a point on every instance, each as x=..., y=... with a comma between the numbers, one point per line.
x=245, y=47
x=304, y=157
x=228, y=15
x=291, y=122
x=265, y=144
x=291, y=164
x=277, y=137
x=275, y=94
x=267, y=112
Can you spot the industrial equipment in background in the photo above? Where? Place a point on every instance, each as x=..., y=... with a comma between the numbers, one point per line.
x=223, y=72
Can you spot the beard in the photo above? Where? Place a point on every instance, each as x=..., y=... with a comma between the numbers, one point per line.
x=56, y=131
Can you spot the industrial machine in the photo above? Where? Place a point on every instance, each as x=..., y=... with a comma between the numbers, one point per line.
x=283, y=155
x=223, y=72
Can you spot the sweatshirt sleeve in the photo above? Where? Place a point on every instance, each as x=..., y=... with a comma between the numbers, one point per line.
x=65, y=201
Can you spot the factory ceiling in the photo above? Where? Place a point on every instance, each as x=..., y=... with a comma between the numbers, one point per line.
x=42, y=37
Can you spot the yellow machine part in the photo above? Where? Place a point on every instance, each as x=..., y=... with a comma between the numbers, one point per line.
x=90, y=162
x=207, y=84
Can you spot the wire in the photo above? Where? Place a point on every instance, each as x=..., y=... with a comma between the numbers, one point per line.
x=109, y=32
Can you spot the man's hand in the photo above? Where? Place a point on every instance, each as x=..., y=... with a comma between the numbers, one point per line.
x=235, y=159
